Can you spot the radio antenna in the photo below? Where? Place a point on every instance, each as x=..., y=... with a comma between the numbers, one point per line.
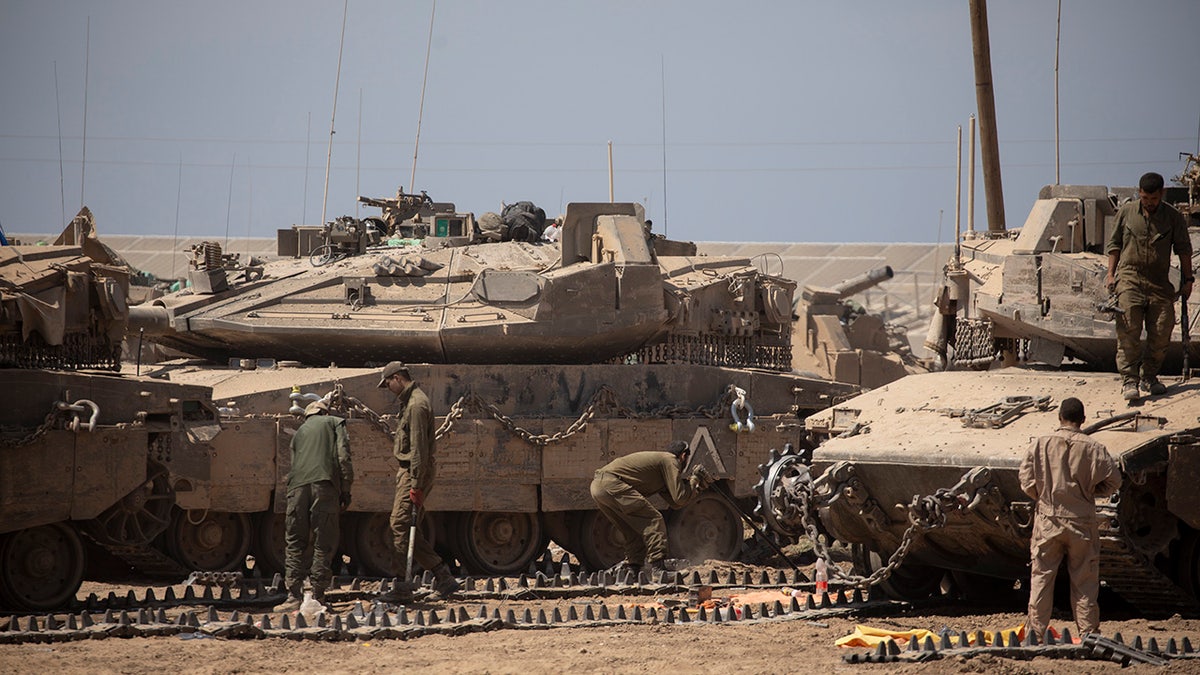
x=337, y=80
x=412, y=181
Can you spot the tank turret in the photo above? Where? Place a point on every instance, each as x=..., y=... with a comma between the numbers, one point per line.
x=601, y=294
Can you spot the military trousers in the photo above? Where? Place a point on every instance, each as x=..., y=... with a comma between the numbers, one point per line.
x=312, y=518
x=402, y=515
x=633, y=515
x=1079, y=542
x=1150, y=308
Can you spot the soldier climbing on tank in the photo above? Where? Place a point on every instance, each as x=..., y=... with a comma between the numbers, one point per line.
x=318, y=490
x=621, y=488
x=1139, y=260
x=1065, y=472
x=414, y=449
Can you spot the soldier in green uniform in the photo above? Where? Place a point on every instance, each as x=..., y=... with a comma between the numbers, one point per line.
x=621, y=488
x=414, y=450
x=318, y=489
x=1139, y=262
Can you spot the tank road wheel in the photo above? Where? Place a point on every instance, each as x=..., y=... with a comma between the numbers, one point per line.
x=707, y=528
x=270, y=545
x=210, y=542
x=907, y=582
x=596, y=542
x=41, y=568
x=495, y=542
x=139, y=516
x=371, y=546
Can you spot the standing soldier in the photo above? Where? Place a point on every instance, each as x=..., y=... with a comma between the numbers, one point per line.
x=318, y=489
x=1139, y=262
x=1065, y=472
x=620, y=489
x=414, y=450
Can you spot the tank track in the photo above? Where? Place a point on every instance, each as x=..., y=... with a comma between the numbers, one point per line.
x=1094, y=647
x=1132, y=575
x=227, y=616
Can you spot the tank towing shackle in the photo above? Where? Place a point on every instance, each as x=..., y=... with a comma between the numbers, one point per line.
x=81, y=406
x=741, y=423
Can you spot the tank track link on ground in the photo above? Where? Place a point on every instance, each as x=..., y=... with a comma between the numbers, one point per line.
x=1091, y=646
x=1131, y=575
x=255, y=592
x=379, y=621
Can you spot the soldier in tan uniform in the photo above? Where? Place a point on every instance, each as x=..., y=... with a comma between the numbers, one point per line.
x=413, y=449
x=1065, y=472
x=1139, y=262
x=620, y=489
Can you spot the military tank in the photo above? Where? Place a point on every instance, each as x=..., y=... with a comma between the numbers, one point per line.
x=543, y=362
x=85, y=453
x=919, y=476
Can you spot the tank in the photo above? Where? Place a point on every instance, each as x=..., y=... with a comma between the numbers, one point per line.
x=839, y=340
x=922, y=472
x=85, y=453
x=543, y=362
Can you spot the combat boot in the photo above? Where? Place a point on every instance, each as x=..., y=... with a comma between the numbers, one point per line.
x=1152, y=386
x=654, y=569
x=292, y=604
x=444, y=582
x=1129, y=390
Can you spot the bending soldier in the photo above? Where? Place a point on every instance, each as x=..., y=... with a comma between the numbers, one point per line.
x=620, y=490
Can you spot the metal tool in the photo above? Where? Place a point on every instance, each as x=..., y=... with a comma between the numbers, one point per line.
x=412, y=538
x=720, y=489
x=1184, y=329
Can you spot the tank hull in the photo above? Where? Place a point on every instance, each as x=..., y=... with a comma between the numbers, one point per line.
x=943, y=450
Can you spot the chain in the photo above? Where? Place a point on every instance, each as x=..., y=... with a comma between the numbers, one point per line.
x=603, y=399
x=342, y=401
x=46, y=425
x=973, y=341
x=917, y=527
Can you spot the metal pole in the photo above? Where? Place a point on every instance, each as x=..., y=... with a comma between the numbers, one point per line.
x=720, y=489
x=610, y=174
x=337, y=80
x=971, y=177
x=412, y=180
x=985, y=100
x=958, y=199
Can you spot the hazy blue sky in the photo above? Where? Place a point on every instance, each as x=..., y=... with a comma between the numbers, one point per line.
x=785, y=121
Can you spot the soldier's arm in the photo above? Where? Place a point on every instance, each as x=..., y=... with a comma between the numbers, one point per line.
x=1113, y=248
x=679, y=491
x=1028, y=480
x=1108, y=473
x=420, y=441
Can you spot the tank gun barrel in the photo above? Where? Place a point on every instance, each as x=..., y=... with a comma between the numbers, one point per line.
x=155, y=320
x=863, y=281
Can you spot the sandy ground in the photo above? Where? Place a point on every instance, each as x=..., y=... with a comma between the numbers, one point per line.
x=790, y=646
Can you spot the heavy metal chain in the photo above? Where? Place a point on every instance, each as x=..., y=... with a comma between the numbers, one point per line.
x=603, y=400
x=47, y=424
x=342, y=401
x=917, y=527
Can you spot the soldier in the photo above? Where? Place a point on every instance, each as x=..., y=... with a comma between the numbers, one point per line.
x=318, y=490
x=1139, y=259
x=1065, y=472
x=414, y=450
x=620, y=489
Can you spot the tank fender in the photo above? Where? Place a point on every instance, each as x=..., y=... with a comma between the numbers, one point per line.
x=1183, y=474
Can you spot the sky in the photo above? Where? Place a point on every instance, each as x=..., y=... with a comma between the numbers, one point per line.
x=756, y=121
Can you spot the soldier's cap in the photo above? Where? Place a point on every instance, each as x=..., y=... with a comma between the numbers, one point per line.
x=390, y=370
x=316, y=407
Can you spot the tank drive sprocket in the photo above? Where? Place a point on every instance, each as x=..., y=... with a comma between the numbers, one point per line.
x=781, y=477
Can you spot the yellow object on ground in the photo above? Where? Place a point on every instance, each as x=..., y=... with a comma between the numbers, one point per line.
x=866, y=636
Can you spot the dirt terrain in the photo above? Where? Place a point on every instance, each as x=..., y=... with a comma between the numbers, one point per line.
x=798, y=645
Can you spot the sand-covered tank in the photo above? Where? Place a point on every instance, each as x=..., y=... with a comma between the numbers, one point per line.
x=543, y=361
x=923, y=471
x=86, y=454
